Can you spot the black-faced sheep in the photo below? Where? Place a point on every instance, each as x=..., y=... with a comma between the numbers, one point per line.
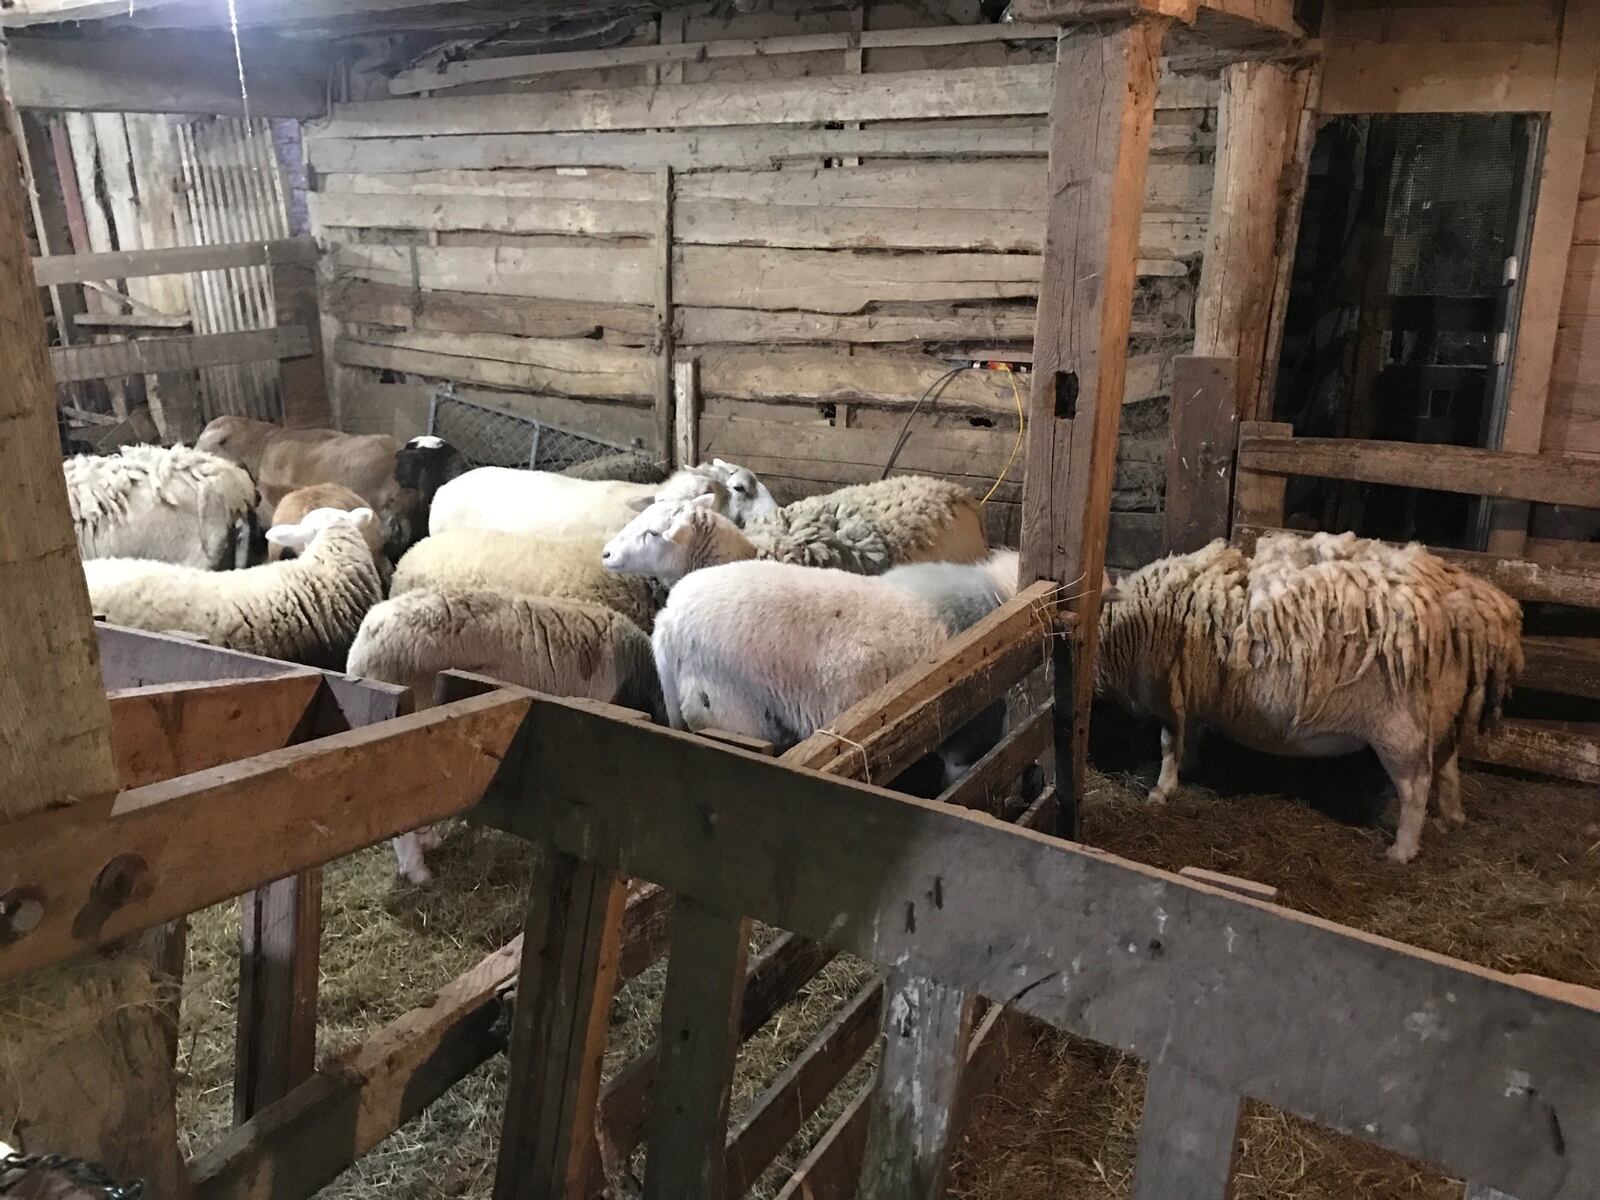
x=171, y=504
x=1315, y=647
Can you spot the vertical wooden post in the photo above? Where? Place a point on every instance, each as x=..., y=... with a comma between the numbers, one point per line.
x=1258, y=129
x=1187, y=1136
x=1549, y=248
x=280, y=941
x=1201, y=434
x=914, y=1105
x=570, y=953
x=665, y=335
x=699, y=1040
x=1257, y=496
x=686, y=397
x=85, y=1071
x=1104, y=105
x=305, y=380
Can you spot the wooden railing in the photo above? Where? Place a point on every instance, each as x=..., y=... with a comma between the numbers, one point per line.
x=295, y=340
x=1268, y=454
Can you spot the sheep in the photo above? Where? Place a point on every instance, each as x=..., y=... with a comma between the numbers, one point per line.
x=565, y=568
x=776, y=651
x=564, y=647
x=551, y=505
x=629, y=466
x=305, y=610
x=1316, y=647
x=173, y=505
x=865, y=529
x=301, y=502
x=396, y=481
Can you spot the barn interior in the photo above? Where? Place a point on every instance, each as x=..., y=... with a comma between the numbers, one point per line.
x=1133, y=274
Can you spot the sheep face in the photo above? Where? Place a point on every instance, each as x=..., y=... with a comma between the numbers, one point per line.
x=747, y=496
x=298, y=537
x=426, y=464
x=658, y=541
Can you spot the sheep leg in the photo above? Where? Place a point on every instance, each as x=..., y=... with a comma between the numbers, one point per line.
x=408, y=856
x=1447, y=791
x=1171, y=753
x=1413, y=780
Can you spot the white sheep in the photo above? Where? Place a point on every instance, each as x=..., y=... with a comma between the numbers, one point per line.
x=1316, y=647
x=563, y=568
x=866, y=529
x=171, y=504
x=551, y=505
x=563, y=647
x=303, y=610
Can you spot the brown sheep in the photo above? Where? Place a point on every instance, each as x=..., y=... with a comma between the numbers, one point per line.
x=294, y=507
x=396, y=481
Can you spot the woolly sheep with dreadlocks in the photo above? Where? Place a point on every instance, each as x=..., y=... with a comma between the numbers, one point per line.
x=1316, y=647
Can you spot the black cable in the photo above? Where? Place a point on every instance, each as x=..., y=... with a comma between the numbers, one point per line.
x=905, y=430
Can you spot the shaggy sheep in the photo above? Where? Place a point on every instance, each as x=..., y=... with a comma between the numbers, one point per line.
x=628, y=466
x=549, y=505
x=865, y=530
x=172, y=504
x=564, y=568
x=563, y=647
x=396, y=481
x=306, y=610
x=1318, y=646
x=776, y=651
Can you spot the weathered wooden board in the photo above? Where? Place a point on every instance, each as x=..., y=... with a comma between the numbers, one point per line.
x=498, y=214
x=489, y=372
x=989, y=323
x=245, y=824
x=1565, y=753
x=1200, y=451
x=588, y=274
x=571, y=183
x=1360, y=77
x=177, y=260
x=571, y=366
x=1204, y=963
x=361, y=302
x=1569, y=665
x=686, y=150
x=1544, y=478
x=151, y=356
x=811, y=376
x=973, y=92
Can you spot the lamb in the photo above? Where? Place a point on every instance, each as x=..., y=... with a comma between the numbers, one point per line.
x=550, y=505
x=563, y=568
x=865, y=530
x=301, y=502
x=563, y=647
x=1317, y=647
x=396, y=481
x=173, y=505
x=306, y=610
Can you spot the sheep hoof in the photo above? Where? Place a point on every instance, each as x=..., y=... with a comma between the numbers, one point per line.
x=1452, y=820
x=418, y=876
x=1401, y=854
x=1157, y=796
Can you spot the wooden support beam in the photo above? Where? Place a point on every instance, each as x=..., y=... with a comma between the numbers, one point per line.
x=1187, y=1136
x=198, y=74
x=985, y=785
x=1344, y=1059
x=911, y=1118
x=570, y=959
x=181, y=845
x=305, y=388
x=697, y=1046
x=89, y=1047
x=168, y=730
x=176, y=260
x=1528, y=746
x=1258, y=496
x=1258, y=127
x=1569, y=665
x=665, y=338
x=686, y=419
x=1200, y=446
x=1103, y=108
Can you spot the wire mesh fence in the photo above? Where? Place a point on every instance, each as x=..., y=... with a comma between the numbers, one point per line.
x=492, y=437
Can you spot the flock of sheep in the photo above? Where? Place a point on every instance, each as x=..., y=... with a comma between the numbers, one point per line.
x=699, y=599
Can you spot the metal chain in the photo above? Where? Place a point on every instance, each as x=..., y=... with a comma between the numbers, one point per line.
x=16, y=1167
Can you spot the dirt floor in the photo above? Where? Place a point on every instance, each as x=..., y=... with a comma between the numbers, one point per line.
x=1517, y=890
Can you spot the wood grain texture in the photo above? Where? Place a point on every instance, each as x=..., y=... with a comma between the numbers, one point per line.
x=1097, y=182
x=207, y=837
x=148, y=356
x=178, y=260
x=798, y=840
x=1565, y=754
x=1187, y=1136
x=168, y=730
x=1202, y=424
x=1421, y=77
x=1569, y=665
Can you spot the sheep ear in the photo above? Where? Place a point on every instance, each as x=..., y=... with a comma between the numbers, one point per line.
x=706, y=499
x=362, y=518
x=679, y=532
x=290, y=537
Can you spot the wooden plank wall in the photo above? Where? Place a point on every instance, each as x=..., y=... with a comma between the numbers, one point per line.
x=835, y=244
x=1572, y=416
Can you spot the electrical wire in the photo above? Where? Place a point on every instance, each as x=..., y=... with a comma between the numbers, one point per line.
x=1016, y=393
x=905, y=430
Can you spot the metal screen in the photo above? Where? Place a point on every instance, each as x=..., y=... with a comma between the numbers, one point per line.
x=492, y=437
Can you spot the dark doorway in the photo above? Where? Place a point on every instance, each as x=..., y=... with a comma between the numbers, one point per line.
x=1403, y=310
